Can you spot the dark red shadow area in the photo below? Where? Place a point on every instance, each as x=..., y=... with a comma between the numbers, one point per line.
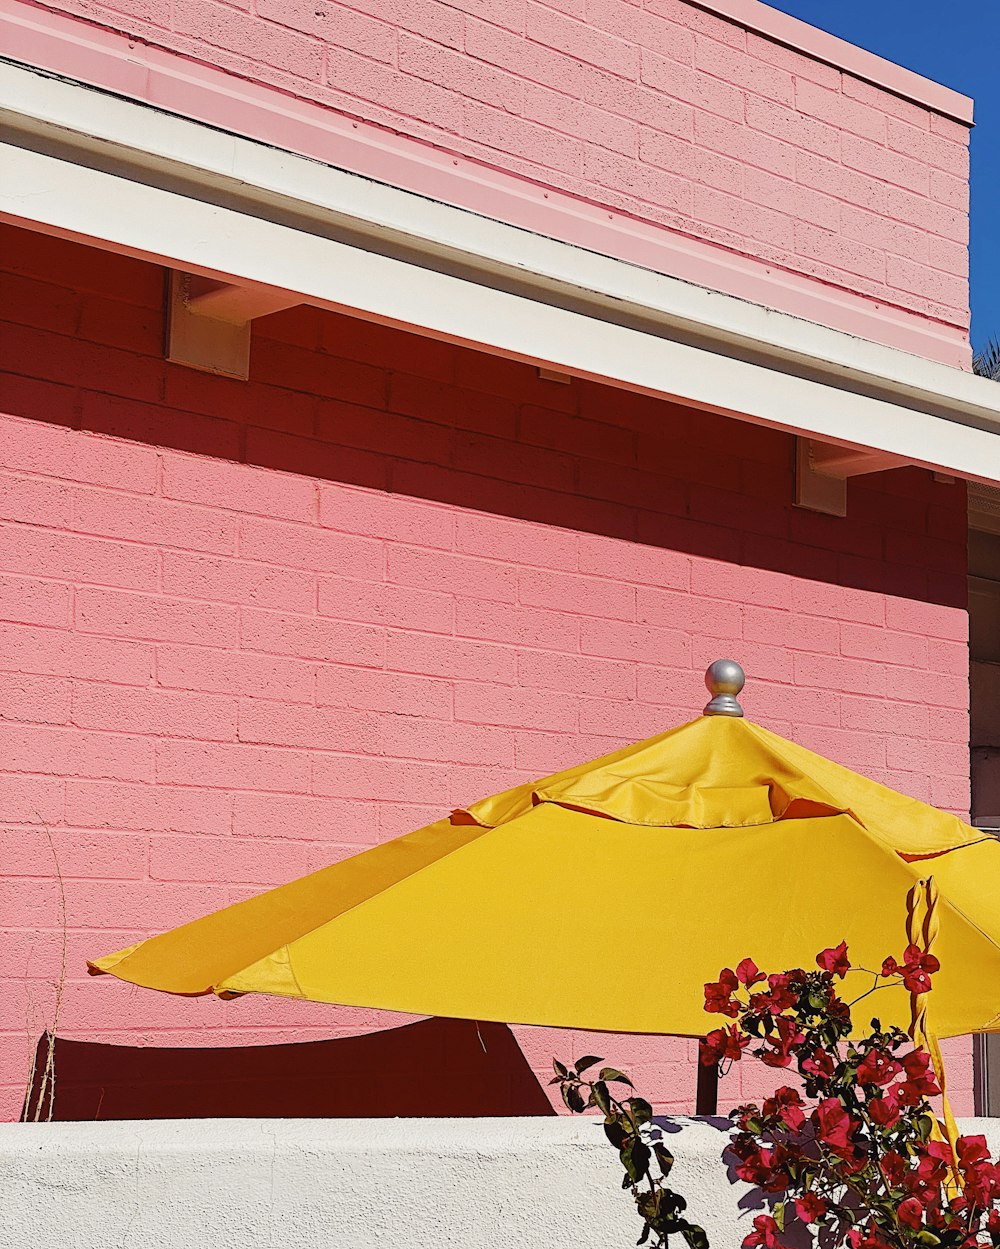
x=436, y=1068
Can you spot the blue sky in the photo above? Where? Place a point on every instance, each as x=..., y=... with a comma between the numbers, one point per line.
x=957, y=43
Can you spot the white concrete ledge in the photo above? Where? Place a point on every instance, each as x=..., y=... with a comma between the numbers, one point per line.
x=348, y=1184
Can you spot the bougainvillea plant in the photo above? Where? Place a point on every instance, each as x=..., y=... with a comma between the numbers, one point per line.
x=629, y=1126
x=858, y=1160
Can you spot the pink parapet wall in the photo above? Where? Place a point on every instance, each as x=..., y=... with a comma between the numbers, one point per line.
x=739, y=149
x=250, y=628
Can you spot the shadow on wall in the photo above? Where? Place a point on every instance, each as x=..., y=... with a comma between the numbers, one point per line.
x=436, y=1068
x=346, y=401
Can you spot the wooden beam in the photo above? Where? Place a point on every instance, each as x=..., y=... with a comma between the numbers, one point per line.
x=822, y=470
x=208, y=322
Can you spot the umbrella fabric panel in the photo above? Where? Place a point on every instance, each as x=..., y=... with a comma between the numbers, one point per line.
x=970, y=879
x=199, y=956
x=566, y=919
x=906, y=824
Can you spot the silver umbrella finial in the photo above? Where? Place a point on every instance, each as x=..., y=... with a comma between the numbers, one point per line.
x=724, y=679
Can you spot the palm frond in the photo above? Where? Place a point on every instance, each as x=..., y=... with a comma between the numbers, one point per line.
x=987, y=362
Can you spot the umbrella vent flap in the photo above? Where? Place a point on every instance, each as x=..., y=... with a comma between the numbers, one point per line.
x=698, y=806
x=715, y=772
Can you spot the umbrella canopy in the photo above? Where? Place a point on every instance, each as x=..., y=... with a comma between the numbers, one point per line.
x=603, y=897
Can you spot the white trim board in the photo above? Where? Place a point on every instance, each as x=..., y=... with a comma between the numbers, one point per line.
x=88, y=165
x=64, y=47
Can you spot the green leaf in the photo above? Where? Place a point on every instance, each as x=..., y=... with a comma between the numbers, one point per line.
x=672, y=1202
x=573, y=1098
x=925, y=1126
x=614, y=1076
x=587, y=1061
x=601, y=1097
x=927, y=1238
x=635, y=1159
x=559, y=1068
x=615, y=1133
x=641, y=1110
x=778, y=1214
x=987, y=362
x=645, y=1235
x=695, y=1236
x=648, y=1205
x=664, y=1157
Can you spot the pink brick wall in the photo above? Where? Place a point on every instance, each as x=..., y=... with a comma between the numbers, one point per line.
x=658, y=111
x=247, y=629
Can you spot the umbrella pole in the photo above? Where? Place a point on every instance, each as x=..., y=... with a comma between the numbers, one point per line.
x=707, y=1094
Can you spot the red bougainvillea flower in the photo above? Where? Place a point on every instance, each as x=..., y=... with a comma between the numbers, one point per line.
x=850, y=1163
x=741, y=1115
x=894, y=1168
x=787, y=1158
x=753, y=1164
x=865, y=1238
x=748, y=973
x=833, y=1124
x=786, y=1104
x=819, y=1064
x=878, y=1067
x=713, y=1048
x=916, y=969
x=719, y=994
x=916, y=1064
x=810, y=1208
x=980, y=1176
x=932, y=1170
x=722, y=1044
x=776, y=1057
x=839, y=1011
x=971, y=1149
x=834, y=960
x=776, y=1000
x=736, y=1043
x=884, y=1111
x=765, y=1233
x=789, y=1036
x=918, y=1083
x=781, y=995
x=911, y=1212
x=762, y=1004
x=916, y=977
x=765, y=1168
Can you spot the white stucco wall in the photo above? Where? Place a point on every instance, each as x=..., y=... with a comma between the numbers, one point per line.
x=345, y=1184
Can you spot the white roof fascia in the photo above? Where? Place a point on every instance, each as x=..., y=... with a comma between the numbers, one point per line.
x=85, y=164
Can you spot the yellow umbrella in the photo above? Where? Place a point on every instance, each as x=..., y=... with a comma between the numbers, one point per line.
x=603, y=897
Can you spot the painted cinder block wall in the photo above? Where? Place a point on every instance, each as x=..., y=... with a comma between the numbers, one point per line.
x=249, y=628
x=777, y=161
